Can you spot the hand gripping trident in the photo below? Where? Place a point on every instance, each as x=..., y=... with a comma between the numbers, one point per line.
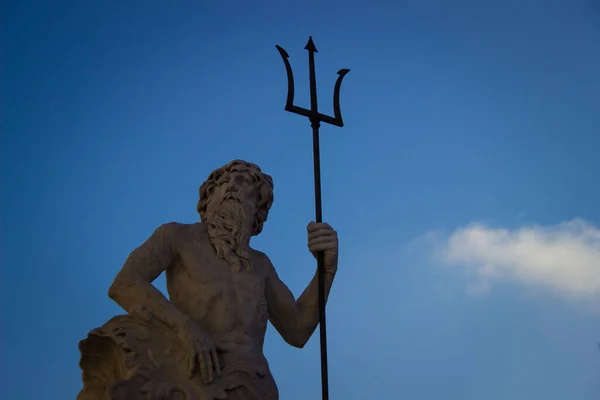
x=316, y=118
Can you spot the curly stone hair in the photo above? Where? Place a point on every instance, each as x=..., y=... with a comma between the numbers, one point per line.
x=264, y=184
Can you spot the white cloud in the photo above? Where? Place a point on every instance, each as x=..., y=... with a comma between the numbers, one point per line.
x=564, y=258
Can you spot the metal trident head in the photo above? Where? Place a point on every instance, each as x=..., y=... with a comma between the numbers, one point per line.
x=313, y=114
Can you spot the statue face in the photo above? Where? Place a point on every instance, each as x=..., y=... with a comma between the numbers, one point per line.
x=236, y=187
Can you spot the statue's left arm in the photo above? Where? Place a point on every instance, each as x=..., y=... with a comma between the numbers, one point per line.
x=296, y=320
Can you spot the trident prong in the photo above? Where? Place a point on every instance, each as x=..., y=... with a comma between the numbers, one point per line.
x=313, y=114
x=316, y=118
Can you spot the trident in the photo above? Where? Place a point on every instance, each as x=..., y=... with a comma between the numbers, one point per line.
x=316, y=118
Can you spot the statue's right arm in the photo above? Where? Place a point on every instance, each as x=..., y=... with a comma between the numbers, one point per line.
x=132, y=288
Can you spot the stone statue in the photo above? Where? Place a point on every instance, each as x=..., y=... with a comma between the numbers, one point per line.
x=206, y=341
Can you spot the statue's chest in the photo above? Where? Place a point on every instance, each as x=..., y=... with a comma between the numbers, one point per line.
x=238, y=300
x=240, y=292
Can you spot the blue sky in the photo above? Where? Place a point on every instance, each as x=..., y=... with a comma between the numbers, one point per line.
x=464, y=186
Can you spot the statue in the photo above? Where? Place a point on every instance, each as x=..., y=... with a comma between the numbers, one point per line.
x=206, y=341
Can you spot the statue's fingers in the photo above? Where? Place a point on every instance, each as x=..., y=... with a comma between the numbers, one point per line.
x=322, y=246
x=209, y=365
x=322, y=233
x=321, y=239
x=192, y=363
x=318, y=225
x=202, y=366
x=190, y=367
x=216, y=363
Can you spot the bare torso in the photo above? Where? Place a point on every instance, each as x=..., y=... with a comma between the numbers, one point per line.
x=229, y=306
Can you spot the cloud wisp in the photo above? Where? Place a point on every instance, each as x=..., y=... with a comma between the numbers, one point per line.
x=564, y=258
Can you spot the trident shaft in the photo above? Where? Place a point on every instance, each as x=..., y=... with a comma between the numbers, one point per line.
x=316, y=118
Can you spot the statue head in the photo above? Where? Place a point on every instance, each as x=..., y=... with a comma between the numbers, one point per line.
x=239, y=182
x=234, y=203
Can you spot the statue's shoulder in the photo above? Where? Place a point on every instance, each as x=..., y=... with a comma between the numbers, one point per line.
x=262, y=259
x=258, y=254
x=177, y=232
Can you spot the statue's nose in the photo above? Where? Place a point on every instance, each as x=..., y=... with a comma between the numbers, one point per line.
x=233, y=187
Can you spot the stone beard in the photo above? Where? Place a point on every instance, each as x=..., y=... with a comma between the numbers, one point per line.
x=227, y=229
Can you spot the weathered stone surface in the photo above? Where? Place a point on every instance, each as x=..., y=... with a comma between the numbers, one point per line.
x=206, y=341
